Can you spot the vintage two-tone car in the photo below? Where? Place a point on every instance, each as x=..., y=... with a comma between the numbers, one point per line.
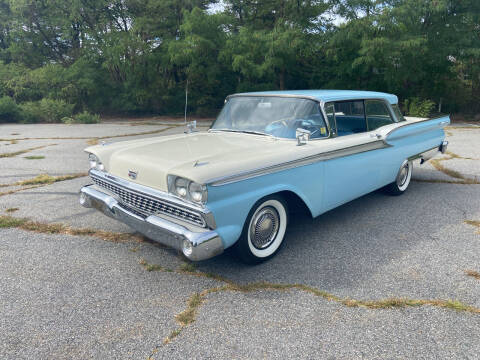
x=233, y=185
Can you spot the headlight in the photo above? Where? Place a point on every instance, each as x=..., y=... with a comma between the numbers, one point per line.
x=95, y=162
x=187, y=189
x=181, y=185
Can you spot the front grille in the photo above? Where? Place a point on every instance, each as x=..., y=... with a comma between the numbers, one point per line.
x=146, y=205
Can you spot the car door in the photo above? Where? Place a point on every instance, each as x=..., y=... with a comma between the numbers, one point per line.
x=354, y=168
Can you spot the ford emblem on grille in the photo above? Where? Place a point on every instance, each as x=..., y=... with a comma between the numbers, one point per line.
x=132, y=174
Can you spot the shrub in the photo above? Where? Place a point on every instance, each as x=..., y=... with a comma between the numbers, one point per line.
x=418, y=107
x=86, y=118
x=9, y=110
x=46, y=110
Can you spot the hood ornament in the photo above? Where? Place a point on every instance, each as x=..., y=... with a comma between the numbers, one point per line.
x=199, y=163
x=132, y=174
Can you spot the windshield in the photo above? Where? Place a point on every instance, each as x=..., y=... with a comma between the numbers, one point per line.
x=270, y=115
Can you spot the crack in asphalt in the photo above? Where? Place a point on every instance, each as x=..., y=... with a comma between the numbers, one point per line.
x=20, y=152
x=462, y=179
x=38, y=181
x=7, y=221
x=188, y=316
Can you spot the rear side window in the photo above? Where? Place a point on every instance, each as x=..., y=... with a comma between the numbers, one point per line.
x=398, y=113
x=377, y=114
x=350, y=117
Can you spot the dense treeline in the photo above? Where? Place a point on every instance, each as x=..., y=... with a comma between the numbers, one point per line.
x=62, y=57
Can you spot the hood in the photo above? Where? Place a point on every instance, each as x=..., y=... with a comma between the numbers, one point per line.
x=199, y=156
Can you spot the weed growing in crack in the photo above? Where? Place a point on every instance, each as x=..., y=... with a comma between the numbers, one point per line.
x=7, y=221
x=153, y=267
x=188, y=267
x=475, y=223
x=188, y=316
x=473, y=273
x=33, y=157
x=436, y=163
x=20, y=152
x=45, y=179
x=38, y=181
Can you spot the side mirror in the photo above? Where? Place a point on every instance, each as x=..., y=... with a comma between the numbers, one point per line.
x=191, y=127
x=302, y=135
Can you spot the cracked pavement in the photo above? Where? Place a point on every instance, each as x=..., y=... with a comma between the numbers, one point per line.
x=65, y=296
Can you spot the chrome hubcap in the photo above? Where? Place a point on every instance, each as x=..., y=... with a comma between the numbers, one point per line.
x=264, y=227
x=403, y=176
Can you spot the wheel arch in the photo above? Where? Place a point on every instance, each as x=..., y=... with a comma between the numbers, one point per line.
x=295, y=203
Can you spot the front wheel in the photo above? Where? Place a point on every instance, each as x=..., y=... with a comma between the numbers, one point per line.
x=264, y=230
x=400, y=185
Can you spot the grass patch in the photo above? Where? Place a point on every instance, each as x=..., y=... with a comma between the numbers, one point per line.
x=20, y=152
x=475, y=223
x=34, y=157
x=93, y=141
x=188, y=315
x=7, y=221
x=188, y=267
x=438, y=181
x=11, y=210
x=40, y=180
x=452, y=173
x=473, y=273
x=153, y=267
x=172, y=336
x=11, y=222
x=45, y=179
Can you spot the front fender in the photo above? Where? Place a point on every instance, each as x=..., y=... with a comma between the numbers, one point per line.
x=231, y=203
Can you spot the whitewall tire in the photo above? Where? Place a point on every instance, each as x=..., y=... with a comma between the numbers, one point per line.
x=404, y=176
x=264, y=230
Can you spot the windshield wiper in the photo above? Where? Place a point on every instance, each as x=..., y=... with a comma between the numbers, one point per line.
x=243, y=131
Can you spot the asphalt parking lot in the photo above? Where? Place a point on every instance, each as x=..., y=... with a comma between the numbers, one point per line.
x=379, y=278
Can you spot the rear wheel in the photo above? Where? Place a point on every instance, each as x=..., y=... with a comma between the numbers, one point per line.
x=400, y=185
x=264, y=230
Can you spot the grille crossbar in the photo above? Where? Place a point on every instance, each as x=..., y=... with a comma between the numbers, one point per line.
x=146, y=205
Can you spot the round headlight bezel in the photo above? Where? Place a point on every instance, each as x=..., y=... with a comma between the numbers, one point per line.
x=93, y=159
x=95, y=162
x=196, y=191
x=181, y=187
x=187, y=189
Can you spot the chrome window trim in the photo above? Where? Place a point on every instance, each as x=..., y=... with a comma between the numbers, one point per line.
x=352, y=150
x=204, y=212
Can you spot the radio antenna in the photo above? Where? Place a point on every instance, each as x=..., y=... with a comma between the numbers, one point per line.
x=186, y=101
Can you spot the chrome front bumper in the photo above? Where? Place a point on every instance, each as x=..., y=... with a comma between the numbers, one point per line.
x=196, y=246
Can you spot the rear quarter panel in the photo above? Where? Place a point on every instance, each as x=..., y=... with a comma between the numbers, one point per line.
x=408, y=139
